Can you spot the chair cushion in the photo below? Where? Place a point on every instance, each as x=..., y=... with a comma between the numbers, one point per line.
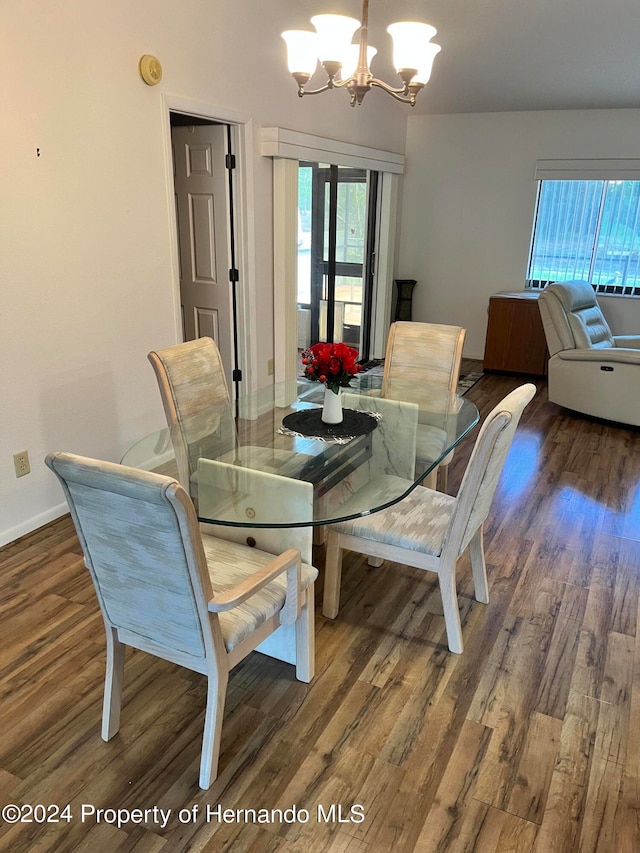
x=229, y=564
x=418, y=522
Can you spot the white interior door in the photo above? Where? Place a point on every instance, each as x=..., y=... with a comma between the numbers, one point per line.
x=202, y=213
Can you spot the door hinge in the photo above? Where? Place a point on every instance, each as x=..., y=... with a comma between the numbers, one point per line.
x=237, y=375
x=234, y=275
x=230, y=161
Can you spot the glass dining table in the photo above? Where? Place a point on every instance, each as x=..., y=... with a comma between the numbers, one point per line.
x=270, y=462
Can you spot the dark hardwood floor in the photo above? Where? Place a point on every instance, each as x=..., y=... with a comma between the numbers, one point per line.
x=528, y=741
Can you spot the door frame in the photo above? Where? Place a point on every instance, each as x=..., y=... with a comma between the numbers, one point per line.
x=242, y=139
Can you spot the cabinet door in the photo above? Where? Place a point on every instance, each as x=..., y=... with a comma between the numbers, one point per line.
x=515, y=337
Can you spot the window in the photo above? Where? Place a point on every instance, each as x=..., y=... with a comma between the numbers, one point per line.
x=587, y=230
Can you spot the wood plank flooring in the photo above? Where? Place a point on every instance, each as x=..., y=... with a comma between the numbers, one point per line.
x=529, y=742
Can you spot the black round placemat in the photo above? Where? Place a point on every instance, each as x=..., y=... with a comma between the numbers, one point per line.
x=310, y=424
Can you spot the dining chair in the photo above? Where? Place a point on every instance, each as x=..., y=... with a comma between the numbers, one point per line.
x=420, y=355
x=195, y=397
x=428, y=529
x=169, y=590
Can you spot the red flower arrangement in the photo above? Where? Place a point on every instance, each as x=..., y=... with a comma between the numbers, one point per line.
x=331, y=364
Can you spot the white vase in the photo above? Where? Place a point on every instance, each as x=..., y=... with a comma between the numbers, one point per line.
x=332, y=407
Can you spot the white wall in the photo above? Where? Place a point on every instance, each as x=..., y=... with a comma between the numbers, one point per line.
x=85, y=238
x=469, y=199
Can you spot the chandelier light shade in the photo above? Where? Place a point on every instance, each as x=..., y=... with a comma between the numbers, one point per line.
x=423, y=74
x=413, y=48
x=348, y=65
x=335, y=33
x=302, y=52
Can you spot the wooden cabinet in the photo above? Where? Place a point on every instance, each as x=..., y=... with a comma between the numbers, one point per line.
x=515, y=337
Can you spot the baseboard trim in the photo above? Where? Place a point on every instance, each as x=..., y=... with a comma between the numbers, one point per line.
x=13, y=533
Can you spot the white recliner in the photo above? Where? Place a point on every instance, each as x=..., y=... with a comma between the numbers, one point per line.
x=590, y=369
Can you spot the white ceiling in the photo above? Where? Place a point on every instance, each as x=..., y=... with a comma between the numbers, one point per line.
x=504, y=55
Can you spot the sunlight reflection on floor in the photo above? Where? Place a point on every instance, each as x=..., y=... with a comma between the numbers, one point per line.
x=523, y=464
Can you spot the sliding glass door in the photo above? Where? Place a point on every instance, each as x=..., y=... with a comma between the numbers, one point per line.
x=336, y=251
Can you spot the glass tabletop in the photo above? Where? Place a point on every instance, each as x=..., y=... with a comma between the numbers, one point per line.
x=271, y=462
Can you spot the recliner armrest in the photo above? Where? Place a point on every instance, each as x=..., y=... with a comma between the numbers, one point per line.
x=627, y=341
x=618, y=355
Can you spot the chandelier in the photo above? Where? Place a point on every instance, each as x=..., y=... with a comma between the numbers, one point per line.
x=348, y=65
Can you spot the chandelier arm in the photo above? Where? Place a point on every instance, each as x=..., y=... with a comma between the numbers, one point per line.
x=390, y=90
x=340, y=84
x=405, y=95
x=387, y=88
x=410, y=99
x=302, y=91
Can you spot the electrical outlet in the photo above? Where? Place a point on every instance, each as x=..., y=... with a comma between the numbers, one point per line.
x=270, y=369
x=21, y=463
